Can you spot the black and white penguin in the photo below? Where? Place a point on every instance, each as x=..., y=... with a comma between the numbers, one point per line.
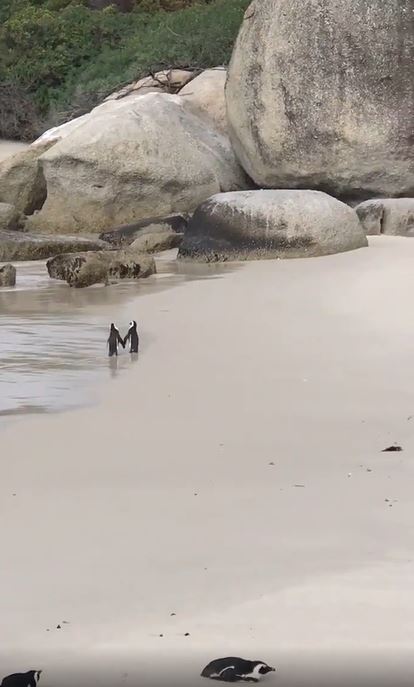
x=114, y=339
x=29, y=679
x=133, y=337
x=233, y=669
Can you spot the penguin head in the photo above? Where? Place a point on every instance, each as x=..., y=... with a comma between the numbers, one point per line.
x=264, y=669
x=35, y=675
x=132, y=324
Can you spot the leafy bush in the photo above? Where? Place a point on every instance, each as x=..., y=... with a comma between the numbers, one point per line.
x=64, y=57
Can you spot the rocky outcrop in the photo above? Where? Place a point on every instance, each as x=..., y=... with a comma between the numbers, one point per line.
x=157, y=242
x=84, y=269
x=23, y=246
x=7, y=275
x=204, y=96
x=320, y=95
x=10, y=218
x=22, y=183
x=165, y=81
x=127, y=233
x=145, y=157
x=271, y=224
x=393, y=216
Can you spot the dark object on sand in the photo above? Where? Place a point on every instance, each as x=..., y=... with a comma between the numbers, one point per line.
x=29, y=679
x=132, y=337
x=114, y=339
x=394, y=447
x=233, y=669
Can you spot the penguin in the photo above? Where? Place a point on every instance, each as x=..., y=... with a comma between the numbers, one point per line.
x=234, y=669
x=133, y=337
x=29, y=679
x=114, y=339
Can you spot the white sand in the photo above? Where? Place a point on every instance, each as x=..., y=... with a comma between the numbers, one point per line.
x=307, y=364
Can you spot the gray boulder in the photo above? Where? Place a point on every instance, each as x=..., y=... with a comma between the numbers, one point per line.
x=157, y=242
x=84, y=269
x=271, y=224
x=10, y=218
x=320, y=95
x=393, y=216
x=22, y=246
x=204, y=96
x=22, y=183
x=127, y=233
x=7, y=275
x=139, y=158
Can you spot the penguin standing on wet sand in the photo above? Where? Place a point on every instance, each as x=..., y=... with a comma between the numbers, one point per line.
x=114, y=339
x=133, y=337
x=29, y=679
x=234, y=669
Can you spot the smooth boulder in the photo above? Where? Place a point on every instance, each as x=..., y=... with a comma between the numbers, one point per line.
x=85, y=269
x=22, y=183
x=142, y=158
x=7, y=275
x=320, y=95
x=271, y=224
x=10, y=218
x=393, y=216
x=204, y=96
x=22, y=246
x=128, y=233
x=157, y=242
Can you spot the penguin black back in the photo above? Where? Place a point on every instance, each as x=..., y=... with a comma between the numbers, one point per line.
x=29, y=679
x=235, y=669
x=114, y=339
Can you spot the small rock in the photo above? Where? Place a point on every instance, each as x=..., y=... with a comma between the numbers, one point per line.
x=171, y=614
x=299, y=485
x=186, y=634
x=394, y=447
x=369, y=470
x=58, y=627
x=7, y=275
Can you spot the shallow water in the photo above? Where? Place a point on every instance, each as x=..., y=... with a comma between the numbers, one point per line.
x=53, y=338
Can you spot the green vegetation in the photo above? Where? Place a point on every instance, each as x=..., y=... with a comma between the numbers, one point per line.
x=58, y=58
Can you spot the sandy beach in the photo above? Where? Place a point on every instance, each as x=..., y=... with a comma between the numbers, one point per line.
x=231, y=486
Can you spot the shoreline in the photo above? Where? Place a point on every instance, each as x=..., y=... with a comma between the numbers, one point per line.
x=168, y=501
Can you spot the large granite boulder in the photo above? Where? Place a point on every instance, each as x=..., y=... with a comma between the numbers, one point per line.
x=22, y=183
x=10, y=218
x=320, y=95
x=204, y=96
x=7, y=275
x=23, y=246
x=128, y=233
x=143, y=158
x=84, y=269
x=271, y=224
x=394, y=216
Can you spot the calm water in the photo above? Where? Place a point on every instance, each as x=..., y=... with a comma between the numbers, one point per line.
x=53, y=338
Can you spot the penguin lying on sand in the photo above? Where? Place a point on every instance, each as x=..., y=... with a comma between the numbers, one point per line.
x=29, y=679
x=132, y=335
x=236, y=669
x=114, y=339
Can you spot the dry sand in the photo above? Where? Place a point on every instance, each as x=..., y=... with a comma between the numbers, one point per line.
x=235, y=478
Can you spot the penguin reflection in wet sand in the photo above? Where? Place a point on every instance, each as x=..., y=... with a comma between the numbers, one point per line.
x=29, y=679
x=114, y=339
x=234, y=669
x=133, y=337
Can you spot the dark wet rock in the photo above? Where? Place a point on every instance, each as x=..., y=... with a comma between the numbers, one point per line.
x=7, y=275
x=271, y=224
x=394, y=447
x=126, y=234
x=23, y=246
x=85, y=269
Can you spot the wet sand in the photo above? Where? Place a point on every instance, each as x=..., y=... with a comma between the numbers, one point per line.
x=234, y=478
